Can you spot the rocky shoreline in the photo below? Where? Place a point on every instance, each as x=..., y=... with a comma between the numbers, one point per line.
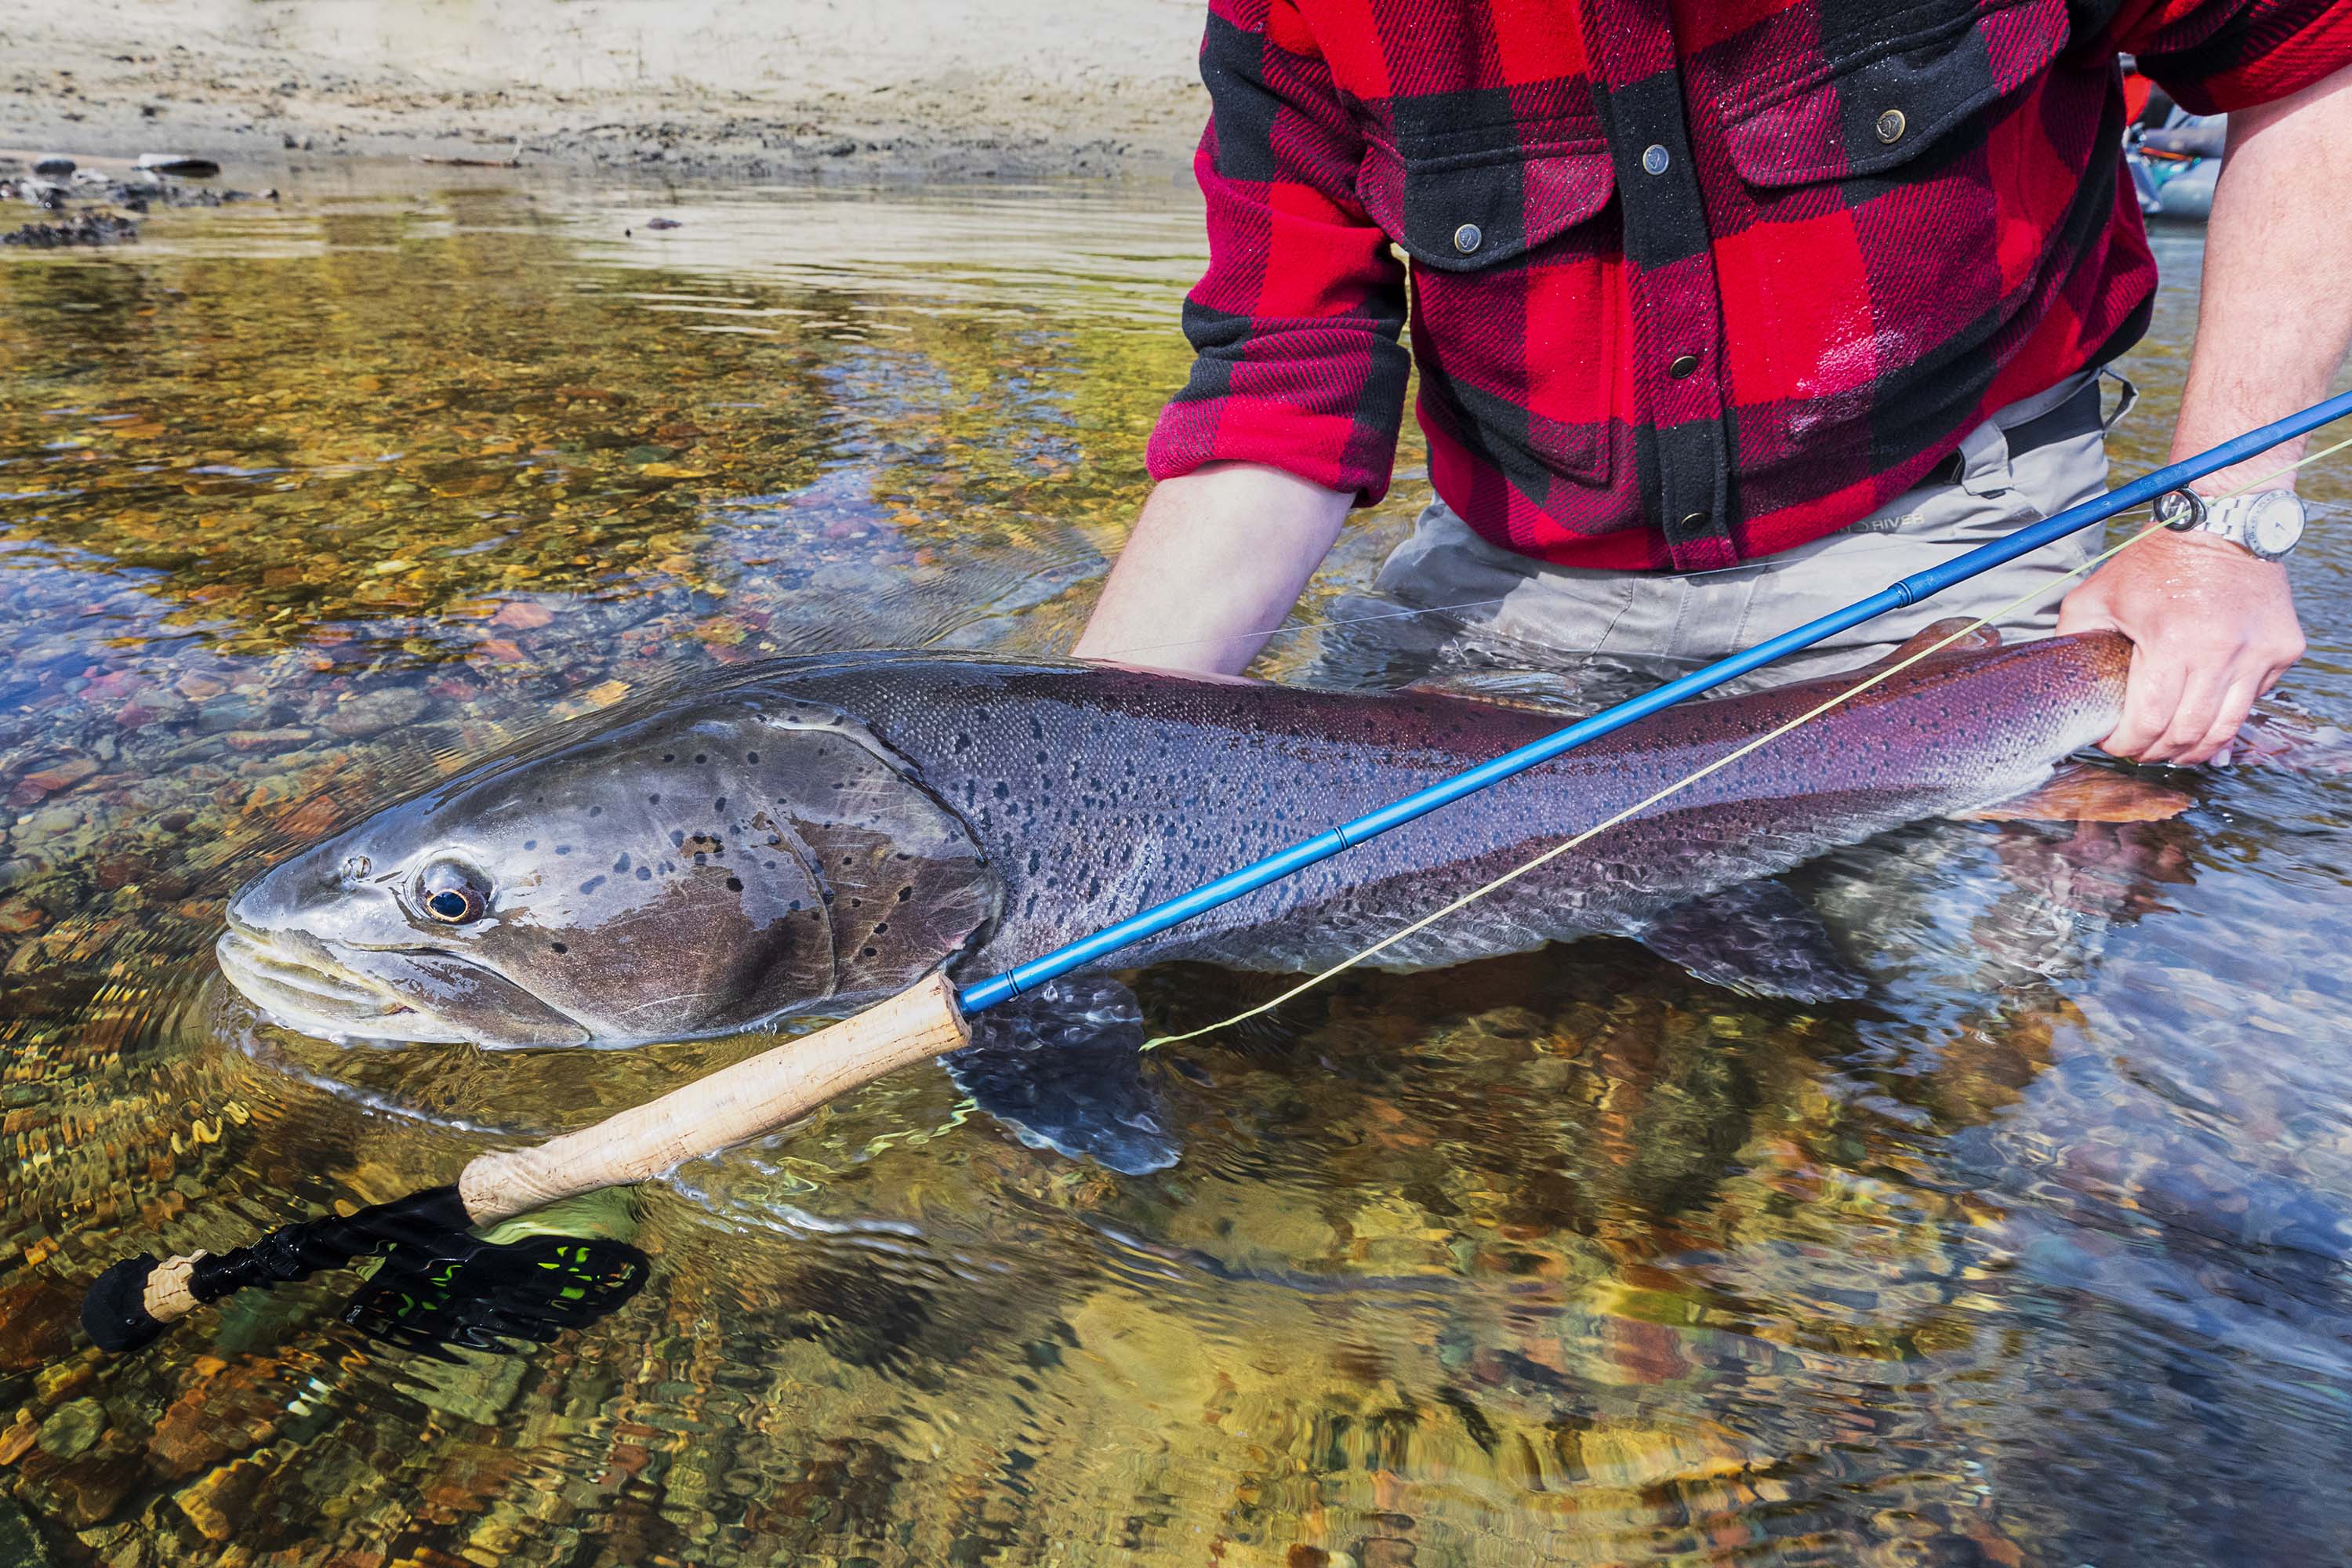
x=891, y=90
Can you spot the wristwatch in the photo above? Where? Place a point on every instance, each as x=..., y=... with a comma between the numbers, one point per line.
x=2268, y=523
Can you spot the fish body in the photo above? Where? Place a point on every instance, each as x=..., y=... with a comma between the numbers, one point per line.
x=817, y=832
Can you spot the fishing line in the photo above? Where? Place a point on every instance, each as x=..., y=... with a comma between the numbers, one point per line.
x=2039, y=592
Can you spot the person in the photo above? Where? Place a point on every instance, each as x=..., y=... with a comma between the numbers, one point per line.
x=1726, y=314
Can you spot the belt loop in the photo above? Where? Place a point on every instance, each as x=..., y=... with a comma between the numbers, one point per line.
x=2127, y=401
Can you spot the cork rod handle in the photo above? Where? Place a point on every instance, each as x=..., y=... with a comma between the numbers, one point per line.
x=721, y=1109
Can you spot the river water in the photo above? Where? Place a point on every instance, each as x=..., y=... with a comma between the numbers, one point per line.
x=2036, y=1256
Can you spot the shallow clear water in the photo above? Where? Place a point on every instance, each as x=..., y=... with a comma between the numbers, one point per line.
x=2037, y=1257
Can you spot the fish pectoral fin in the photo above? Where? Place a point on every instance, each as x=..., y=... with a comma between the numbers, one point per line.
x=1982, y=639
x=2084, y=792
x=1757, y=938
x=1062, y=1069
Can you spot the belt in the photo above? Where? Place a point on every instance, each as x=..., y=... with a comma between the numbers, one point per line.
x=2076, y=417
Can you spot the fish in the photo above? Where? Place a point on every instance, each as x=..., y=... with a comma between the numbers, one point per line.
x=813, y=834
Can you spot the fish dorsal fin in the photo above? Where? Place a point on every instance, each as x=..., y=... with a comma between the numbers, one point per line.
x=1977, y=641
x=2084, y=792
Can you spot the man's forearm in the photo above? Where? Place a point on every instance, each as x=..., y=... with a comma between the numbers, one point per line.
x=2274, y=316
x=1216, y=560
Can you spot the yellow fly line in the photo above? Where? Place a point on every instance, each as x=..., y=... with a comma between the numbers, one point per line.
x=1557, y=851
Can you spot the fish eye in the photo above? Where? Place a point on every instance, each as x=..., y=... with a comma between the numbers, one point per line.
x=451, y=894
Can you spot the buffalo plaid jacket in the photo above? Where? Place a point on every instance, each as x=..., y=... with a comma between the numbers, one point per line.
x=1691, y=282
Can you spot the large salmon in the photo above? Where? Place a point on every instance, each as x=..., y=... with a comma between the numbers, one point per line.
x=817, y=832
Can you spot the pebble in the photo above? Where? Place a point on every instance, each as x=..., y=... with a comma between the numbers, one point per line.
x=44, y=782
x=72, y=1429
x=214, y=1503
x=182, y=163
x=54, y=165
x=372, y=713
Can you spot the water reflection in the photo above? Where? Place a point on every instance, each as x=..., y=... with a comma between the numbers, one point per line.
x=2037, y=1256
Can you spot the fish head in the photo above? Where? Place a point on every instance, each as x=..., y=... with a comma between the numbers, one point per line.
x=676, y=874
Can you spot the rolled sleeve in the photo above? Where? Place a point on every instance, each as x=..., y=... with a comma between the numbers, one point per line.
x=1296, y=325
x=2214, y=56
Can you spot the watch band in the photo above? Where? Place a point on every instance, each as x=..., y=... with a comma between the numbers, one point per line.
x=2265, y=523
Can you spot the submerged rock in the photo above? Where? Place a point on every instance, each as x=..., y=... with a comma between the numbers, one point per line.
x=182, y=163
x=57, y=166
x=72, y=1429
x=82, y=228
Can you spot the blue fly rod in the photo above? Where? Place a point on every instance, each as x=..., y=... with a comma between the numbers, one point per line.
x=1422, y=802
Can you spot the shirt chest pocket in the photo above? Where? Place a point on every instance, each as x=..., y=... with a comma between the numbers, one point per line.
x=1513, y=250
x=1453, y=205
x=1879, y=104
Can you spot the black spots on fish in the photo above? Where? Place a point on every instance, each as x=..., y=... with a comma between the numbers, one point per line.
x=734, y=884
x=652, y=800
x=669, y=756
x=677, y=838
x=752, y=758
x=645, y=873
x=771, y=865
x=905, y=894
x=962, y=744
x=557, y=947
x=701, y=858
x=904, y=855
x=720, y=805
x=828, y=895
x=621, y=865
x=595, y=811
x=531, y=844
x=881, y=928
x=591, y=884
x=564, y=849
x=1003, y=791
x=1035, y=859
x=867, y=952
x=702, y=758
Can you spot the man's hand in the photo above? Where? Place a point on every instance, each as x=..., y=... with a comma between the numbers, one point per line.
x=2211, y=628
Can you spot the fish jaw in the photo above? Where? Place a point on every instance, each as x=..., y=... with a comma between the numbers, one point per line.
x=318, y=989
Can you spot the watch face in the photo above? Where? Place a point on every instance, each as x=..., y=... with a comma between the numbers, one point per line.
x=2275, y=526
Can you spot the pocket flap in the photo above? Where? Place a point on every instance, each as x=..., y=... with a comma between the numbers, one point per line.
x=1463, y=212
x=1868, y=113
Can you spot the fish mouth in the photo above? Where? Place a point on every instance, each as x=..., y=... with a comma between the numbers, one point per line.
x=311, y=994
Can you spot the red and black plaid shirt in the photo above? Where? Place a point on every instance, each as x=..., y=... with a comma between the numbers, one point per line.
x=1692, y=282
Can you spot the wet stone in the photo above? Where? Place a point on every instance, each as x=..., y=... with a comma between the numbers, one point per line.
x=37, y=1314
x=215, y=1503
x=372, y=713
x=73, y=1430
x=222, y=714
x=20, y=1543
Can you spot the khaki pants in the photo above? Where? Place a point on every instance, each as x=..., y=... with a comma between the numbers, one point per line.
x=1503, y=610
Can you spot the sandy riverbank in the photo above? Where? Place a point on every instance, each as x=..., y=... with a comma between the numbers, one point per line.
x=804, y=89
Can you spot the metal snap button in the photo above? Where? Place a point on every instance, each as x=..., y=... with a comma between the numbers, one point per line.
x=1890, y=126
x=1683, y=364
x=1654, y=159
x=1467, y=238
